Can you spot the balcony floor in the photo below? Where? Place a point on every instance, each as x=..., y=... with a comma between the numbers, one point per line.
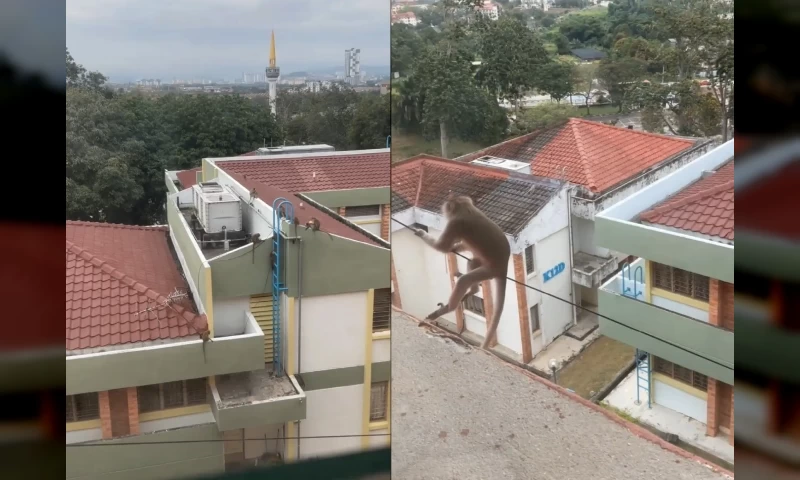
x=586, y=324
x=248, y=387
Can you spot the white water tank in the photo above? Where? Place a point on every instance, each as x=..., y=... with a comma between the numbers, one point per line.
x=217, y=207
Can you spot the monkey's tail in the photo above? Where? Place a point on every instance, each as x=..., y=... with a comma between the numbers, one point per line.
x=499, y=302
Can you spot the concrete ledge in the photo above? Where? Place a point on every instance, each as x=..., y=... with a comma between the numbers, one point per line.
x=619, y=377
x=635, y=429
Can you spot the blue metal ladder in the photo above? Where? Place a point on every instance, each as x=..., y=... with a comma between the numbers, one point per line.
x=278, y=285
x=642, y=376
x=638, y=275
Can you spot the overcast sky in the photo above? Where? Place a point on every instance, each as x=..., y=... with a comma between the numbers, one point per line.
x=130, y=39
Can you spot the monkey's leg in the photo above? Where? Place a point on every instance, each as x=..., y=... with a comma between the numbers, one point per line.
x=500, y=296
x=472, y=264
x=463, y=284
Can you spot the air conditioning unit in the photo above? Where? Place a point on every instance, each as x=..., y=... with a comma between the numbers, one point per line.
x=218, y=208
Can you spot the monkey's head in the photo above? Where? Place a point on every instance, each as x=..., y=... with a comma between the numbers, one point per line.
x=455, y=204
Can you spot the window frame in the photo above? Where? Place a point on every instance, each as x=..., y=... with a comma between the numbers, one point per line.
x=466, y=303
x=347, y=211
x=530, y=260
x=384, y=385
x=186, y=395
x=538, y=329
x=73, y=406
x=381, y=324
x=698, y=287
x=696, y=380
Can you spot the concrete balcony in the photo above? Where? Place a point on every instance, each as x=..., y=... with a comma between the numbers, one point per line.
x=681, y=339
x=259, y=397
x=589, y=270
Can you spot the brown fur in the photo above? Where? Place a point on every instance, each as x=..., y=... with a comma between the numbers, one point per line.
x=469, y=229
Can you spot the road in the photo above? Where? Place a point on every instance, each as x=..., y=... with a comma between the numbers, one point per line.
x=460, y=413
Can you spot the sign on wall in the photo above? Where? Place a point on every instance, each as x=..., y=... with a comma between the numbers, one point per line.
x=550, y=274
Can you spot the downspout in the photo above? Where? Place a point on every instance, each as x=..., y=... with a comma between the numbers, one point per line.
x=299, y=318
x=571, y=255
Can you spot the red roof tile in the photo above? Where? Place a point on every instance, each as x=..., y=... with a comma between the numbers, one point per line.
x=704, y=207
x=115, y=271
x=591, y=154
x=304, y=213
x=511, y=200
x=316, y=173
x=188, y=178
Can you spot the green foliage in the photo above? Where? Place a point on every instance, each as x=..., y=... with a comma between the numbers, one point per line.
x=618, y=75
x=555, y=79
x=79, y=77
x=371, y=123
x=512, y=58
x=542, y=116
x=584, y=30
x=681, y=108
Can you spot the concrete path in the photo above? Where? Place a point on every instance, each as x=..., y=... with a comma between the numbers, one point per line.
x=459, y=413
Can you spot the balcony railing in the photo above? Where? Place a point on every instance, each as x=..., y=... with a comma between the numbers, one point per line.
x=679, y=338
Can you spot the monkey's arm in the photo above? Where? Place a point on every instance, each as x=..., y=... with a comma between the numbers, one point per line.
x=446, y=241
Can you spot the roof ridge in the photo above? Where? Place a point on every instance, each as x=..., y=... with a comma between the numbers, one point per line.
x=582, y=156
x=83, y=223
x=653, y=212
x=539, y=130
x=631, y=131
x=133, y=284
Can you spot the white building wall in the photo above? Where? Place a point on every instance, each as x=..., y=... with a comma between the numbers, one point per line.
x=332, y=331
x=680, y=401
x=332, y=411
x=413, y=278
x=381, y=350
x=583, y=237
x=229, y=315
x=555, y=315
x=678, y=307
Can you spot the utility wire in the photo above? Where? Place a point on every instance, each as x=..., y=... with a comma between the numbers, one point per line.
x=169, y=442
x=588, y=310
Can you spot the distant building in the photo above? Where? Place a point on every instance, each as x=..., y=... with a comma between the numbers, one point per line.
x=273, y=72
x=489, y=10
x=408, y=18
x=352, y=66
x=588, y=54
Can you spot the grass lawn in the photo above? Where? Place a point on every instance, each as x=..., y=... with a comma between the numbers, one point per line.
x=405, y=145
x=596, y=366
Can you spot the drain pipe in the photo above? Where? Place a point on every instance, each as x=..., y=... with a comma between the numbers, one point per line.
x=571, y=256
x=299, y=316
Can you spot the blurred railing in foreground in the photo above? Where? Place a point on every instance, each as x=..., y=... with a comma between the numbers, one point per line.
x=370, y=465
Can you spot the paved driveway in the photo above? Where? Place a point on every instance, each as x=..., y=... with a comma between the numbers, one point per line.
x=461, y=414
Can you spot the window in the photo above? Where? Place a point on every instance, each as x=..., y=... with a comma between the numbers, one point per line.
x=535, y=325
x=682, y=374
x=680, y=281
x=362, y=211
x=381, y=310
x=84, y=406
x=172, y=395
x=474, y=304
x=529, y=266
x=378, y=401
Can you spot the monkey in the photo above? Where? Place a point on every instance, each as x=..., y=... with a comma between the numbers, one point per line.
x=469, y=229
x=205, y=337
x=313, y=224
x=253, y=195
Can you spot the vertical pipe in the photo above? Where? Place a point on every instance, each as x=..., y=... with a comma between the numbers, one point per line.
x=571, y=255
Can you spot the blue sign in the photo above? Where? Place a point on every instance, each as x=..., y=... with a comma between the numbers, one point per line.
x=549, y=274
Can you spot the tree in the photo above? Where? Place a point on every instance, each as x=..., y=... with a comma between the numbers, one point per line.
x=512, y=58
x=542, y=116
x=584, y=30
x=555, y=79
x=583, y=79
x=618, y=75
x=445, y=81
x=682, y=108
x=371, y=123
x=79, y=77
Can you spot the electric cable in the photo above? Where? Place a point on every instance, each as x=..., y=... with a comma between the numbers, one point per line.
x=591, y=311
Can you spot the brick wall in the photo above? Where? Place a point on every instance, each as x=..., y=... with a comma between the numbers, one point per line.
x=712, y=427
x=386, y=219
x=720, y=313
x=726, y=298
x=522, y=308
x=119, y=412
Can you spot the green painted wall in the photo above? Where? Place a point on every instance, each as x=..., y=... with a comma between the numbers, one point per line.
x=354, y=197
x=715, y=261
x=243, y=272
x=132, y=368
x=697, y=339
x=186, y=245
x=333, y=265
x=108, y=460
x=171, y=187
x=208, y=170
x=344, y=377
x=274, y=411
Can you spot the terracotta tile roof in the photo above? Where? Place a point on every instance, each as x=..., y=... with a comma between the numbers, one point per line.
x=591, y=154
x=188, y=178
x=704, y=207
x=510, y=199
x=114, y=271
x=329, y=224
x=317, y=173
x=768, y=205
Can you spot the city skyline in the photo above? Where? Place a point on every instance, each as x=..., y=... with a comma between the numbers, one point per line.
x=215, y=39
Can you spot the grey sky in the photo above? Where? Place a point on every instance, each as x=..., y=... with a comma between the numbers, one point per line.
x=129, y=39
